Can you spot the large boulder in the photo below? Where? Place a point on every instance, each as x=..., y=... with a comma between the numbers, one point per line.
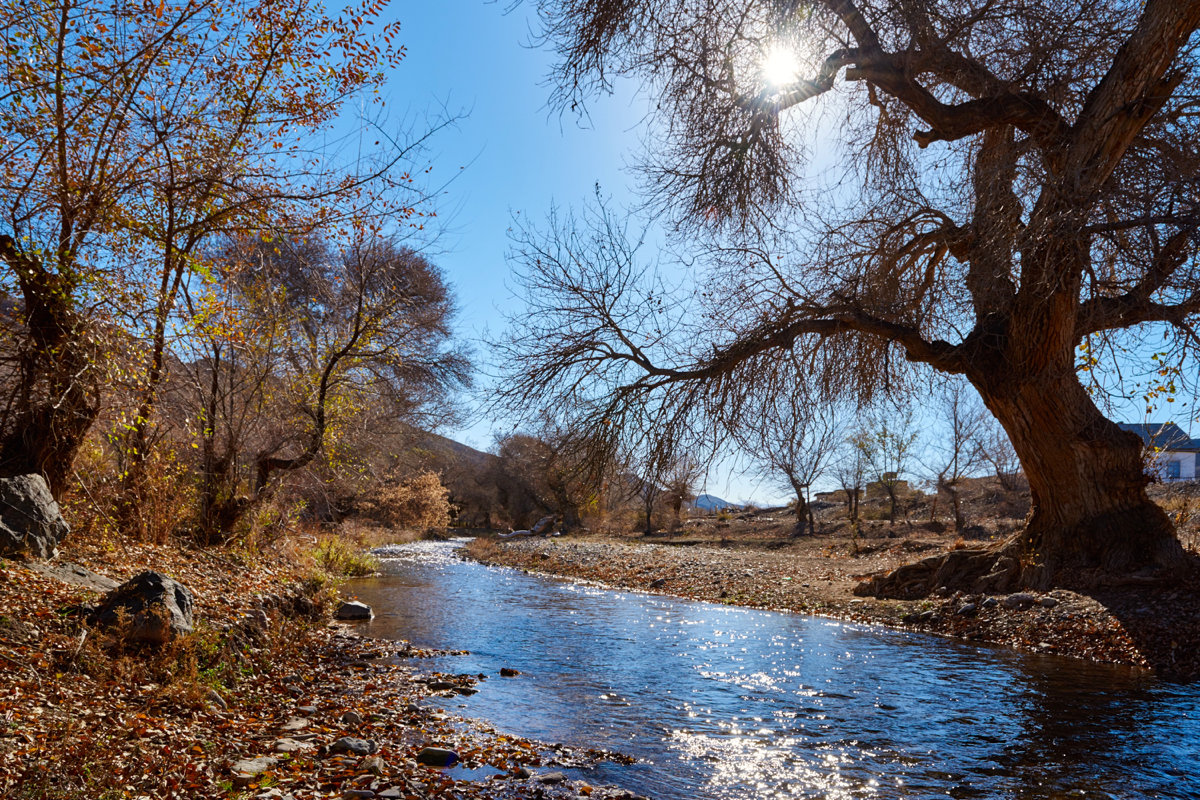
x=155, y=607
x=30, y=523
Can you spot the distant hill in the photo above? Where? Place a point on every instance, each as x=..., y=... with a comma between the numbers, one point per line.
x=710, y=502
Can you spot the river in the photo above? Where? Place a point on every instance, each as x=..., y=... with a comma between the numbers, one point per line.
x=737, y=704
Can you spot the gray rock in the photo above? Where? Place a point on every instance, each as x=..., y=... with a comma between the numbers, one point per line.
x=31, y=525
x=523, y=773
x=75, y=575
x=288, y=745
x=394, y=793
x=658, y=583
x=353, y=610
x=248, y=769
x=215, y=698
x=990, y=602
x=1019, y=601
x=374, y=765
x=348, y=744
x=352, y=719
x=307, y=709
x=350, y=794
x=155, y=607
x=1048, y=602
x=968, y=610
x=437, y=757
x=551, y=777
x=295, y=724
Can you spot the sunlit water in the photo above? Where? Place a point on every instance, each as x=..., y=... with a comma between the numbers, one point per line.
x=721, y=702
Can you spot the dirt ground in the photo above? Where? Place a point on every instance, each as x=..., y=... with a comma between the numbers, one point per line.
x=258, y=711
x=750, y=558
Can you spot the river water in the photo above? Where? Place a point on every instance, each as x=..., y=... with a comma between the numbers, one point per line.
x=728, y=703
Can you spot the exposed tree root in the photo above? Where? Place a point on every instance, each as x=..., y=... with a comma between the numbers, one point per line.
x=992, y=570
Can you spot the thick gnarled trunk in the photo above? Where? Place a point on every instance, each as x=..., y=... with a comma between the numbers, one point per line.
x=1087, y=480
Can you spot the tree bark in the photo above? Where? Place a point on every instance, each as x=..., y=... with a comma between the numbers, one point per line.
x=1090, y=511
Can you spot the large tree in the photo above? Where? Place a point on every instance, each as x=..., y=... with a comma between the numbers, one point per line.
x=1010, y=180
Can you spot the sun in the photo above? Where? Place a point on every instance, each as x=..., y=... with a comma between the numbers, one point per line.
x=780, y=66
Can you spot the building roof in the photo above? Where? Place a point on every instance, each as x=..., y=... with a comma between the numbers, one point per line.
x=1162, y=435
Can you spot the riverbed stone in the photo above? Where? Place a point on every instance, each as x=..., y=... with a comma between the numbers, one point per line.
x=351, y=744
x=353, y=610
x=247, y=769
x=374, y=765
x=437, y=757
x=352, y=719
x=1019, y=601
x=155, y=608
x=551, y=777
x=290, y=745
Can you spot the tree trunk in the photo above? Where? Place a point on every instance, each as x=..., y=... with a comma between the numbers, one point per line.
x=1087, y=482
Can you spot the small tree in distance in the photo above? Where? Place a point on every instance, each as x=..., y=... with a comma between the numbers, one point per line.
x=888, y=447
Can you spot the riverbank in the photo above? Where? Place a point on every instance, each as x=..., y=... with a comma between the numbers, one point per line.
x=1155, y=627
x=265, y=699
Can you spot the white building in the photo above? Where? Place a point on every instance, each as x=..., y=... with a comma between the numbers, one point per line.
x=1169, y=452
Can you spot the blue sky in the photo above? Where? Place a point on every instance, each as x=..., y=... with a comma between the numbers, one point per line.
x=509, y=154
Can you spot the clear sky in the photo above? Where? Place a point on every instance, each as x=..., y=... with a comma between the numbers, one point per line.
x=510, y=154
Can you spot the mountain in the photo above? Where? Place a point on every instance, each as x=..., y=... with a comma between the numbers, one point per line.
x=710, y=502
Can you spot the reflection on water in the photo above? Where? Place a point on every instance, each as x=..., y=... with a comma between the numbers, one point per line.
x=722, y=702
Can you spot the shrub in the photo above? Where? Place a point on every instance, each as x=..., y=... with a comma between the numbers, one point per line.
x=422, y=502
x=337, y=557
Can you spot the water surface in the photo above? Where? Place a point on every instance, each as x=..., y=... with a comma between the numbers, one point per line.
x=731, y=703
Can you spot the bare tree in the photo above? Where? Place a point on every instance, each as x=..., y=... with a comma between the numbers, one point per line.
x=1018, y=178
x=680, y=478
x=995, y=449
x=956, y=454
x=795, y=440
x=888, y=447
x=850, y=469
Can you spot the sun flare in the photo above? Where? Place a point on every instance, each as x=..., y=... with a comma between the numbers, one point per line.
x=780, y=66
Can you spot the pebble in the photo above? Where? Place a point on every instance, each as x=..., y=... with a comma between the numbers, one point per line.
x=1048, y=602
x=352, y=719
x=350, y=794
x=990, y=602
x=509, y=672
x=551, y=777
x=286, y=745
x=295, y=724
x=969, y=610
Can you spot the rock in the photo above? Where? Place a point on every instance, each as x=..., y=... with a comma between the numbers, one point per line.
x=353, y=610
x=658, y=583
x=349, y=744
x=255, y=622
x=551, y=777
x=75, y=575
x=394, y=793
x=1048, y=602
x=441, y=686
x=990, y=602
x=352, y=719
x=1019, y=601
x=215, y=698
x=374, y=765
x=248, y=769
x=509, y=672
x=288, y=745
x=542, y=525
x=307, y=709
x=918, y=617
x=350, y=794
x=523, y=773
x=968, y=610
x=437, y=757
x=295, y=724
x=155, y=607
x=31, y=525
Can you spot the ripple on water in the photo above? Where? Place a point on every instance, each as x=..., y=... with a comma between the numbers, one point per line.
x=723, y=702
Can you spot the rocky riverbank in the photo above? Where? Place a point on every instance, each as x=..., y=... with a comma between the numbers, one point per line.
x=265, y=699
x=1152, y=626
